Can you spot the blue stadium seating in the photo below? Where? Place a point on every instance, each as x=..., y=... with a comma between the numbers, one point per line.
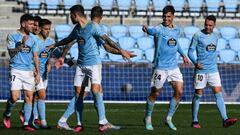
x=115, y=58
x=105, y=28
x=178, y=5
x=195, y=7
x=119, y=31
x=135, y=31
x=221, y=44
x=103, y=54
x=124, y=6
x=227, y=56
x=149, y=53
x=189, y=31
x=69, y=3
x=141, y=7
x=230, y=5
x=113, y=39
x=33, y=4
x=184, y=42
x=52, y=5
x=238, y=54
x=235, y=44
x=88, y=4
x=62, y=31
x=228, y=32
x=126, y=42
x=158, y=5
x=145, y=43
x=106, y=4
x=213, y=5
x=139, y=53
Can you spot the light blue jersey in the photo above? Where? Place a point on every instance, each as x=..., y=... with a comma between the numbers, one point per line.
x=44, y=54
x=166, y=46
x=23, y=60
x=88, y=53
x=205, y=46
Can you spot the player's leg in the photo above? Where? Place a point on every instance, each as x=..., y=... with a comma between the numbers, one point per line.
x=21, y=113
x=215, y=82
x=35, y=109
x=158, y=79
x=28, y=96
x=200, y=82
x=16, y=86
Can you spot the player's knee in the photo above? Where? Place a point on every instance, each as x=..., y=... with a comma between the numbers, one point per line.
x=14, y=99
x=155, y=91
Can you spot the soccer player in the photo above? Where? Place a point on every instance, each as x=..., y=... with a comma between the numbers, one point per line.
x=24, y=65
x=165, y=66
x=96, y=17
x=36, y=31
x=206, y=71
x=88, y=64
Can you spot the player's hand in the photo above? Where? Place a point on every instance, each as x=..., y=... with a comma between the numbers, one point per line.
x=125, y=55
x=144, y=28
x=198, y=66
x=131, y=54
x=185, y=60
x=51, y=47
x=59, y=62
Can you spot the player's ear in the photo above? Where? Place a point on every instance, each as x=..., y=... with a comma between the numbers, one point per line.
x=23, y=24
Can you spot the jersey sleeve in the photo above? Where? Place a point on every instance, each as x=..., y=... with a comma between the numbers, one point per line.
x=10, y=42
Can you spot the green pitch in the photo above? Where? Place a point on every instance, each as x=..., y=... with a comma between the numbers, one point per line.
x=130, y=117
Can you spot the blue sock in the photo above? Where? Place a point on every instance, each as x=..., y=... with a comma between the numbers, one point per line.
x=41, y=108
x=149, y=108
x=70, y=109
x=79, y=108
x=9, y=107
x=27, y=113
x=221, y=105
x=35, y=110
x=99, y=104
x=195, y=106
x=172, y=107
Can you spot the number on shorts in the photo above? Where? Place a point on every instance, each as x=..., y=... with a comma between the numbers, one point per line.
x=13, y=77
x=200, y=77
x=157, y=76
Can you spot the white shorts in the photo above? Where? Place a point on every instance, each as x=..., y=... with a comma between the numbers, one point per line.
x=86, y=73
x=159, y=77
x=22, y=80
x=42, y=84
x=202, y=80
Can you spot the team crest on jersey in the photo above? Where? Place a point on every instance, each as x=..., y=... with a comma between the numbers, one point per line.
x=43, y=54
x=211, y=48
x=81, y=41
x=172, y=42
x=26, y=49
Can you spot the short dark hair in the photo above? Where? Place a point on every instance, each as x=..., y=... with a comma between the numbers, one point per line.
x=211, y=17
x=44, y=22
x=37, y=18
x=26, y=17
x=96, y=11
x=168, y=8
x=77, y=9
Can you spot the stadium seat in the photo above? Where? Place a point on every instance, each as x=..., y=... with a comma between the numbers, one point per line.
x=106, y=4
x=235, y=44
x=103, y=54
x=124, y=6
x=69, y=3
x=141, y=7
x=33, y=4
x=88, y=4
x=238, y=54
x=189, y=31
x=228, y=32
x=195, y=7
x=145, y=43
x=227, y=55
x=178, y=5
x=115, y=58
x=213, y=5
x=230, y=5
x=135, y=31
x=62, y=31
x=158, y=5
x=149, y=53
x=221, y=44
x=126, y=42
x=113, y=39
x=52, y=4
x=119, y=31
x=139, y=53
x=184, y=42
x=105, y=28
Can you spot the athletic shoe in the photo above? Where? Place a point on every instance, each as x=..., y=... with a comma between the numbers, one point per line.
x=196, y=124
x=78, y=128
x=6, y=121
x=21, y=116
x=108, y=126
x=148, y=125
x=45, y=127
x=28, y=128
x=37, y=121
x=63, y=125
x=229, y=122
x=169, y=123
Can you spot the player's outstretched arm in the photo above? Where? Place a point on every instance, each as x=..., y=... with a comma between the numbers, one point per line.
x=63, y=42
x=112, y=50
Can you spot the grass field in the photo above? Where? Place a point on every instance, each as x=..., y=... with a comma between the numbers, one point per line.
x=130, y=117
